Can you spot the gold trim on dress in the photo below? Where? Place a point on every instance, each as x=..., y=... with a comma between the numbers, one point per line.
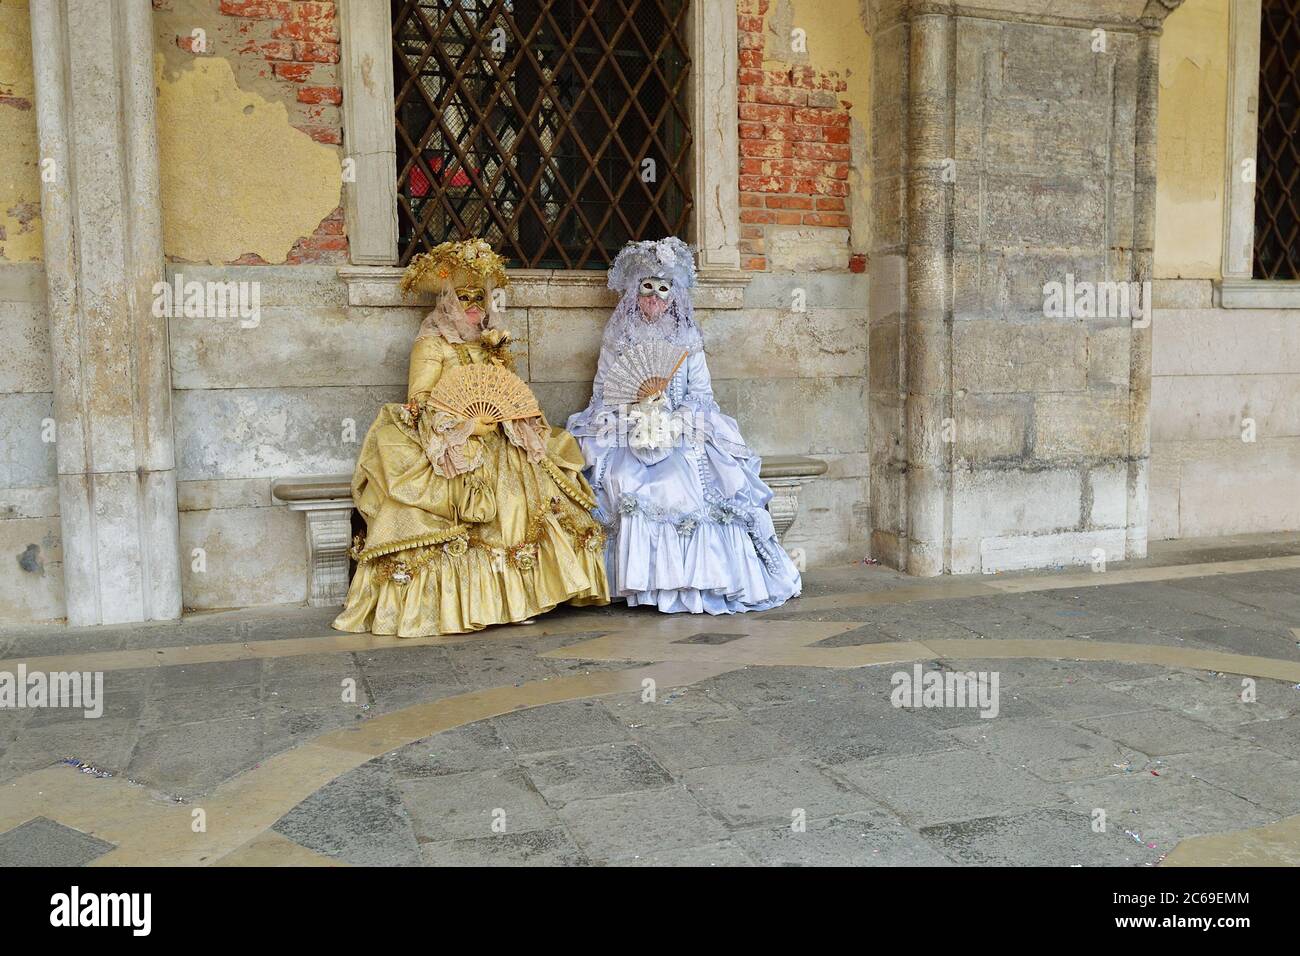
x=426, y=540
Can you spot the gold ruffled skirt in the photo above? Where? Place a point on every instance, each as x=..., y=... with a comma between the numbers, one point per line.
x=503, y=543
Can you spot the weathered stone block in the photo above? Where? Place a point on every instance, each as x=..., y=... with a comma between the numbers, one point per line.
x=1082, y=425
x=992, y=503
x=1199, y=407
x=565, y=344
x=1019, y=553
x=243, y=556
x=27, y=458
x=1012, y=357
x=31, y=587
x=806, y=249
x=1108, y=494
x=990, y=427
x=273, y=433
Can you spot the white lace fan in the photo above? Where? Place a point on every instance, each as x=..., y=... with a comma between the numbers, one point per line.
x=644, y=369
x=488, y=392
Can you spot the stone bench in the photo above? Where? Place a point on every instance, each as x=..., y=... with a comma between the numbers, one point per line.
x=326, y=503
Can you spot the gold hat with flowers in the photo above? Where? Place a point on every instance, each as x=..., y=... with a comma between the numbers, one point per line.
x=462, y=263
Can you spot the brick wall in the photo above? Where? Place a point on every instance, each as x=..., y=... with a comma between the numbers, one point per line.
x=794, y=143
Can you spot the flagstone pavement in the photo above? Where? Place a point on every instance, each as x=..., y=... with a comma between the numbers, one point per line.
x=1146, y=715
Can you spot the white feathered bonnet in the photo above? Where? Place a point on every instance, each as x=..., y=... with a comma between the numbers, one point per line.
x=670, y=258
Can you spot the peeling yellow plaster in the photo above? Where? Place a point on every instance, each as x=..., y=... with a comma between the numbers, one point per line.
x=836, y=42
x=1191, y=141
x=236, y=177
x=20, y=180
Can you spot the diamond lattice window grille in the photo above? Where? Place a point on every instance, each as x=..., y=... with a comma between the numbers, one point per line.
x=530, y=123
x=1277, y=183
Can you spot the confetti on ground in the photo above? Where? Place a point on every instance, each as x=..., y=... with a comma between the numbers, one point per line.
x=87, y=768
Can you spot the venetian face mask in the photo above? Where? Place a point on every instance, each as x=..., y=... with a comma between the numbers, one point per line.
x=652, y=296
x=473, y=299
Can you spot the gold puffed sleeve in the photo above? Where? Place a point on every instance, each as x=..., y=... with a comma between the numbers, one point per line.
x=427, y=358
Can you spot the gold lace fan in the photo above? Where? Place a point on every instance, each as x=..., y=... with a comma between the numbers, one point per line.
x=487, y=392
x=644, y=369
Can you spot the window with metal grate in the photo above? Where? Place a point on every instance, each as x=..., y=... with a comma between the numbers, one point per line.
x=1277, y=185
x=556, y=129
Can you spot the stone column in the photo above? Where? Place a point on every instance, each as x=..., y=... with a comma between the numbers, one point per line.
x=97, y=125
x=1013, y=152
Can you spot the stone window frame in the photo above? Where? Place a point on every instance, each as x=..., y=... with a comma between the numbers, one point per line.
x=370, y=187
x=1238, y=289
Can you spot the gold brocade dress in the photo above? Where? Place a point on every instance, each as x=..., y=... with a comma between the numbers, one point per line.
x=504, y=541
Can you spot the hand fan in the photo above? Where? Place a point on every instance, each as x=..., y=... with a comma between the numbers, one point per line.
x=644, y=369
x=488, y=392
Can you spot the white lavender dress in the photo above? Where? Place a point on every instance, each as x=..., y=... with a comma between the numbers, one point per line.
x=687, y=526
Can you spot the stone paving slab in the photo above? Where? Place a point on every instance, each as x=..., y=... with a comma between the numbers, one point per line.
x=771, y=792
x=871, y=838
x=1044, y=837
x=1052, y=750
x=1165, y=806
x=637, y=825
x=948, y=785
x=550, y=846
x=1254, y=774
x=43, y=842
x=358, y=818
x=1157, y=733
x=595, y=771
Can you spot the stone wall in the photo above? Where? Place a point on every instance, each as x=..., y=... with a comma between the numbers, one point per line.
x=1225, y=416
x=31, y=552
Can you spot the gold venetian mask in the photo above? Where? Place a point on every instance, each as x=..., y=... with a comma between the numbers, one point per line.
x=471, y=295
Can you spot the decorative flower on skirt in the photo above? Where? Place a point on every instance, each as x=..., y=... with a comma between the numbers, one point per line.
x=456, y=546
x=627, y=504
x=686, y=527
x=524, y=556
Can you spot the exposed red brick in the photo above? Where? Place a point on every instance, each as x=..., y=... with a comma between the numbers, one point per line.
x=765, y=149
x=765, y=113
x=321, y=94
x=255, y=9
x=294, y=72
x=858, y=262
x=315, y=52
x=323, y=134
x=825, y=219
x=782, y=95
x=789, y=202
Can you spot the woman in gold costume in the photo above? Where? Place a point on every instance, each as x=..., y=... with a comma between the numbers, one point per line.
x=469, y=523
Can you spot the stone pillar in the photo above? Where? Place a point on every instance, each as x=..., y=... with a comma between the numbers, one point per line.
x=1013, y=152
x=101, y=216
